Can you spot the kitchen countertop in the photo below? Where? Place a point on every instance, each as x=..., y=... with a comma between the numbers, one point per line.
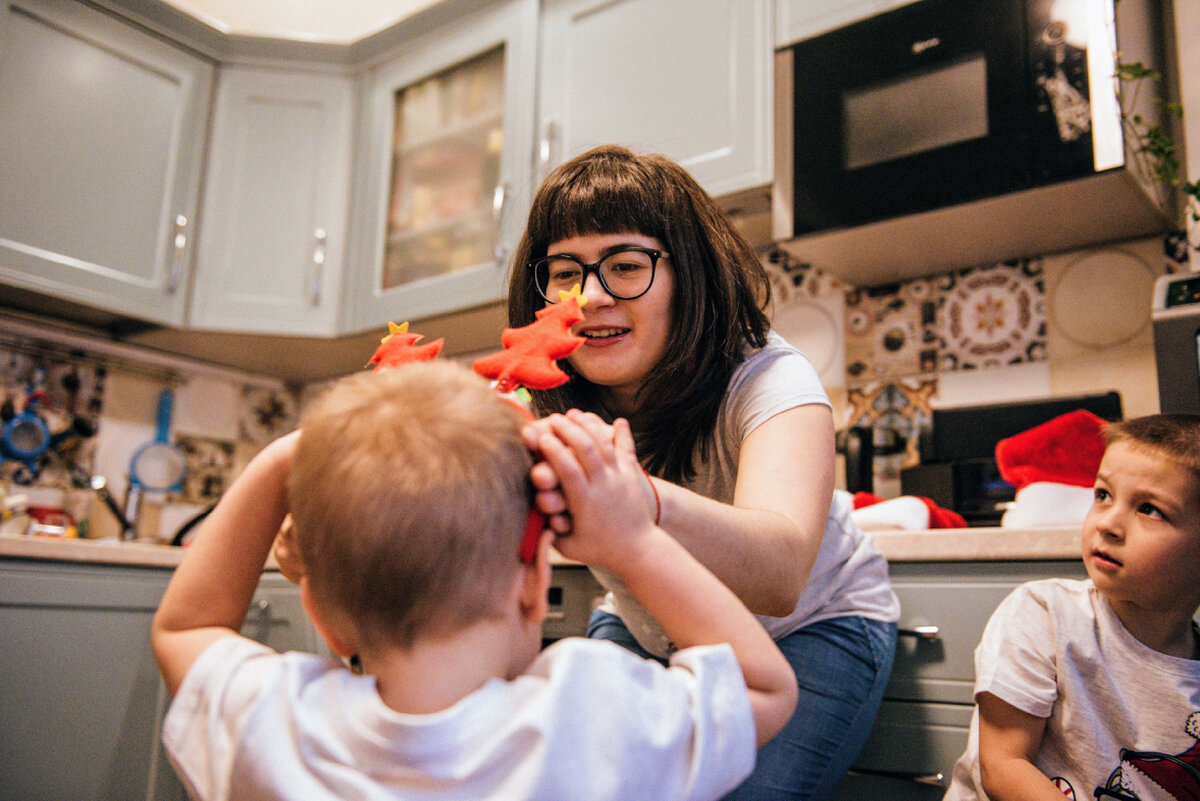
x=973, y=544
x=965, y=544
x=106, y=551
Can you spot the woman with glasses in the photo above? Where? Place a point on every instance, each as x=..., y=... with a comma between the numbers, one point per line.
x=733, y=428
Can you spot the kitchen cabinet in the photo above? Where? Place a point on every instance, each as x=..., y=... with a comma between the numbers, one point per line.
x=691, y=79
x=922, y=726
x=82, y=709
x=271, y=245
x=442, y=184
x=573, y=594
x=799, y=19
x=102, y=135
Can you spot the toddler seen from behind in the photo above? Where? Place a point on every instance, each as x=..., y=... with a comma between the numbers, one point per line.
x=410, y=498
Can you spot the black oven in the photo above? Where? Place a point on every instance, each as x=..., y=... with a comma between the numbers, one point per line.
x=942, y=102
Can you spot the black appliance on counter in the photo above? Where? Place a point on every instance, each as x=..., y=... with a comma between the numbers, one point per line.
x=958, y=459
x=1176, y=316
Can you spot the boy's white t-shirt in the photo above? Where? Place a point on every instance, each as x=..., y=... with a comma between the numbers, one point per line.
x=588, y=720
x=1119, y=714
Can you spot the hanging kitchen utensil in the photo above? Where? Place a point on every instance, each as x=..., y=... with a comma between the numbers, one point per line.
x=157, y=466
x=26, y=438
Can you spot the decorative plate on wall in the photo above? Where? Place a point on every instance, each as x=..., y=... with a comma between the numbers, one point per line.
x=807, y=310
x=1102, y=298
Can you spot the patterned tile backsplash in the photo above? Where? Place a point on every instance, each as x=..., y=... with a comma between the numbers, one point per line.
x=1012, y=331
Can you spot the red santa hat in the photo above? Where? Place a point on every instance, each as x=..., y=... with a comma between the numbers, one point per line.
x=1064, y=450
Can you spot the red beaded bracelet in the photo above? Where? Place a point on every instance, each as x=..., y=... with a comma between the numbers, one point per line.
x=657, y=500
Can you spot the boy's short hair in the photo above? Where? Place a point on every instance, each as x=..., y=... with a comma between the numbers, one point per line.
x=409, y=491
x=1175, y=436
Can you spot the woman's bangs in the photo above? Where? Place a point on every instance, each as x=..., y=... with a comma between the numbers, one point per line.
x=596, y=207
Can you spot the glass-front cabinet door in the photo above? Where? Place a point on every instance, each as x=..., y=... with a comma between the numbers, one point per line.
x=447, y=172
x=445, y=179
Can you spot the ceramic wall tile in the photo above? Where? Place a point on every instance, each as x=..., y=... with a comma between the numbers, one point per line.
x=1100, y=298
x=992, y=316
x=807, y=309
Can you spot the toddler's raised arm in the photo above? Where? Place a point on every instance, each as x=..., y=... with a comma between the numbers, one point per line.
x=212, y=588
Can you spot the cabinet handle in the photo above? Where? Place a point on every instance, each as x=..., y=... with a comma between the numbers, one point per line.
x=921, y=632
x=546, y=147
x=179, y=242
x=499, y=204
x=318, y=267
x=918, y=777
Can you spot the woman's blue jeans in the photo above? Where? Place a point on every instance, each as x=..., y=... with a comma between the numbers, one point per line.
x=842, y=666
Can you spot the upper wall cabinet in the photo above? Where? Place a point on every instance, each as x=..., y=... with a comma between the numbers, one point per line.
x=272, y=239
x=800, y=19
x=101, y=142
x=443, y=177
x=690, y=79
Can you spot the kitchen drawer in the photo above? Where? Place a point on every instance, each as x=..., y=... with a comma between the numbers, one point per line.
x=944, y=607
x=915, y=743
x=573, y=594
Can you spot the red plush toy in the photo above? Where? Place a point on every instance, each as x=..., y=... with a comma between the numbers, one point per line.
x=1065, y=450
x=541, y=340
x=530, y=352
x=400, y=347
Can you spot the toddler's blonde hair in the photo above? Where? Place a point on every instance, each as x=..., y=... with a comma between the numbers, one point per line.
x=409, y=491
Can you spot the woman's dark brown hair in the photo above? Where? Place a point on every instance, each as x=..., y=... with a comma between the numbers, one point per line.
x=721, y=290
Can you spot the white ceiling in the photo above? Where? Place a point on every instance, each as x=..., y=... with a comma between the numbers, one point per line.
x=328, y=21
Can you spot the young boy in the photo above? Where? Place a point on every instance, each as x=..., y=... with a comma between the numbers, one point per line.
x=409, y=493
x=1091, y=689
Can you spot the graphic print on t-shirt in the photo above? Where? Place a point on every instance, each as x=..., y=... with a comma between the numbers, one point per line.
x=1144, y=775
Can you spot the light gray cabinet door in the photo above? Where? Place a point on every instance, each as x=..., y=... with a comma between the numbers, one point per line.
x=691, y=79
x=272, y=239
x=79, y=706
x=102, y=133
x=443, y=177
x=81, y=703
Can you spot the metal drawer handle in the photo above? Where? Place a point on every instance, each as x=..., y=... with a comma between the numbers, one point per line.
x=918, y=777
x=921, y=632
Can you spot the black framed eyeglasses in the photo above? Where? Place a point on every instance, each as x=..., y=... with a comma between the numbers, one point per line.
x=626, y=273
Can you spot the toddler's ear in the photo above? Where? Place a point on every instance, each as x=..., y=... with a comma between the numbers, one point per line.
x=534, y=582
x=287, y=552
x=337, y=645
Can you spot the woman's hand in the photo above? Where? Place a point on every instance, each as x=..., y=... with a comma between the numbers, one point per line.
x=601, y=482
x=549, y=496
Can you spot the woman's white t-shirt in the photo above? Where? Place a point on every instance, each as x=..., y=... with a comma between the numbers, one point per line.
x=849, y=577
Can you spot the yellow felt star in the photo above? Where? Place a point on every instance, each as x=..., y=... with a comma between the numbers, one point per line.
x=576, y=292
x=394, y=329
